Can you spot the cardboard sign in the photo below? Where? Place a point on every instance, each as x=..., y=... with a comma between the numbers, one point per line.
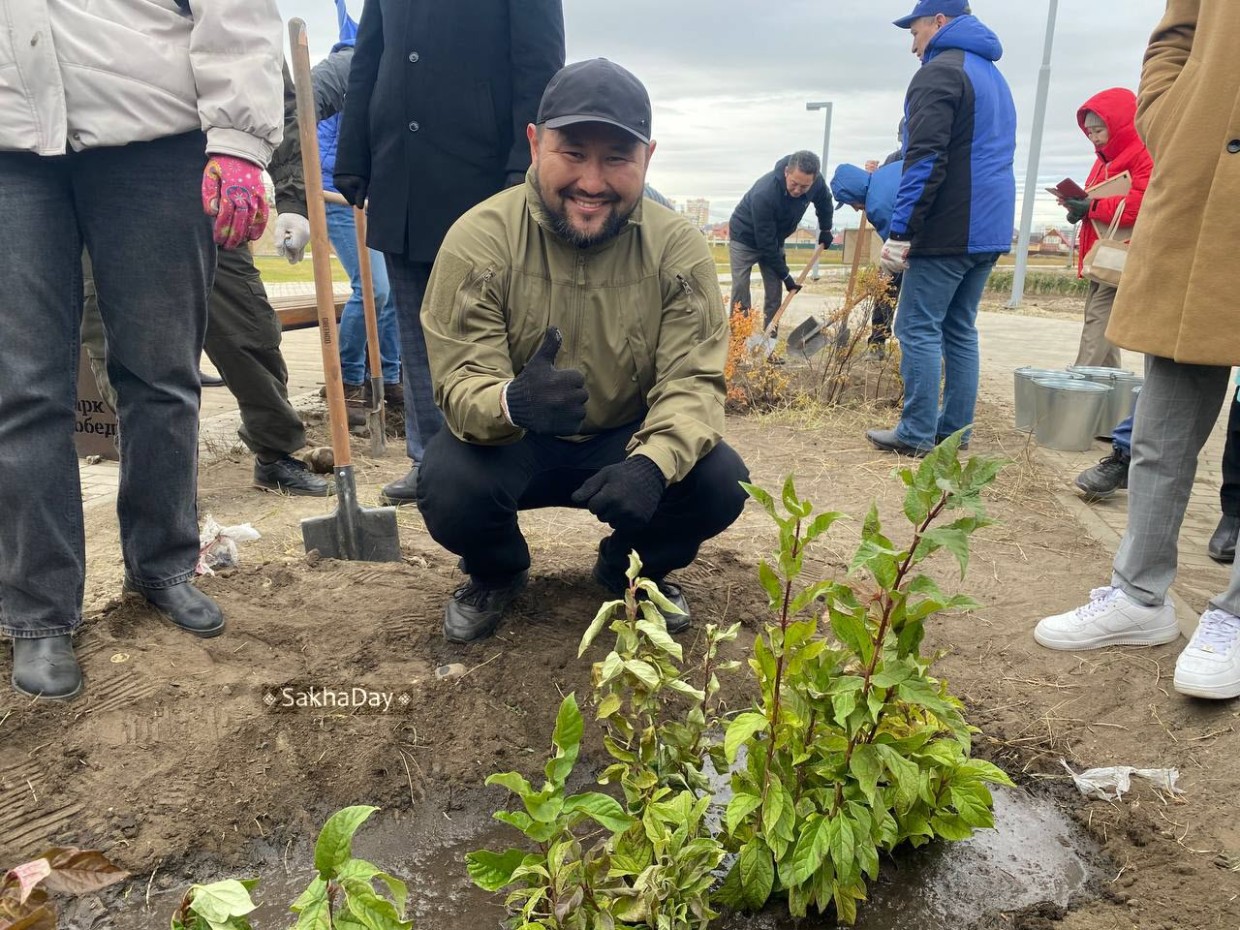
x=95, y=432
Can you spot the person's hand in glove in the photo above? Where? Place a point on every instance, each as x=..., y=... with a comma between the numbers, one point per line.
x=1077, y=209
x=292, y=235
x=825, y=239
x=791, y=284
x=624, y=495
x=352, y=188
x=894, y=257
x=233, y=193
x=544, y=399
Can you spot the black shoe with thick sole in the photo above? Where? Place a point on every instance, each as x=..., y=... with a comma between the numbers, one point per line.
x=289, y=476
x=1105, y=478
x=476, y=610
x=401, y=491
x=1222, y=546
x=46, y=668
x=184, y=606
x=207, y=380
x=676, y=623
x=885, y=439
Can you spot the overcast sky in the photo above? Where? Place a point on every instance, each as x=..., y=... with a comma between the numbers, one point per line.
x=730, y=78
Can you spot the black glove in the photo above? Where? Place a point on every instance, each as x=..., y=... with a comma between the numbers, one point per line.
x=513, y=178
x=626, y=494
x=352, y=188
x=791, y=283
x=1076, y=209
x=548, y=400
x=825, y=239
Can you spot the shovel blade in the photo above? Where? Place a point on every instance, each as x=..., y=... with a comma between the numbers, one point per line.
x=371, y=537
x=805, y=330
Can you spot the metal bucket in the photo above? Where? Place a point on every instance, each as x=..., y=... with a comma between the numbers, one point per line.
x=1124, y=392
x=1066, y=412
x=1023, y=388
x=1101, y=375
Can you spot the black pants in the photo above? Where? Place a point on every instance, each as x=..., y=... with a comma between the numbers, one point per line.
x=470, y=495
x=1229, y=493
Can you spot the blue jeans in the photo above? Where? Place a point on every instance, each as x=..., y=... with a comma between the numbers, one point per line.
x=422, y=418
x=1121, y=437
x=343, y=234
x=153, y=260
x=937, y=328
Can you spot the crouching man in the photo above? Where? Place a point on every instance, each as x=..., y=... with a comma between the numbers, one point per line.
x=576, y=345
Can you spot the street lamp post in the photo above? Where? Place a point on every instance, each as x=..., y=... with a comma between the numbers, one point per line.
x=826, y=144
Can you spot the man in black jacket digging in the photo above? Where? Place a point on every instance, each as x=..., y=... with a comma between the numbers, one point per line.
x=766, y=216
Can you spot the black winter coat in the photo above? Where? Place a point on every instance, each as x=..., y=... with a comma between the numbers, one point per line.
x=439, y=97
x=767, y=215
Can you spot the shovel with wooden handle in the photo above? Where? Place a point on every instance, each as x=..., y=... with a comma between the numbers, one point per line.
x=374, y=416
x=810, y=336
x=766, y=340
x=366, y=534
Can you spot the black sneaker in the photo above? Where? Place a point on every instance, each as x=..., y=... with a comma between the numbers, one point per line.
x=291, y=476
x=676, y=623
x=1105, y=478
x=476, y=610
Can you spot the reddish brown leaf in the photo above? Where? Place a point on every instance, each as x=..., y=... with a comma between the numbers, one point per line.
x=80, y=871
x=28, y=875
x=41, y=918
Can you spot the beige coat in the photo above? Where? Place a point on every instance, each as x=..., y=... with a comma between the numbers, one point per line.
x=1178, y=298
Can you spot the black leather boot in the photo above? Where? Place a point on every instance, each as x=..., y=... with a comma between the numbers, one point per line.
x=185, y=606
x=1222, y=546
x=46, y=668
x=476, y=610
x=402, y=490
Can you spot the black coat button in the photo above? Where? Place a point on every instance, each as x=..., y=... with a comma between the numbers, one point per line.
x=414, y=56
x=414, y=127
x=1233, y=146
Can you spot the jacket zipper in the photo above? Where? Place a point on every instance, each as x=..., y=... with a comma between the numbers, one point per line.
x=695, y=306
x=473, y=288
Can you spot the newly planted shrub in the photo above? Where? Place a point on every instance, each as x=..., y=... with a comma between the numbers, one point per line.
x=854, y=748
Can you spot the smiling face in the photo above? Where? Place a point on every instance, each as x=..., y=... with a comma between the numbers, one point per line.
x=797, y=181
x=924, y=29
x=590, y=177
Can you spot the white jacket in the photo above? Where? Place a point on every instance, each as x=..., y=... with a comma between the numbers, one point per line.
x=109, y=72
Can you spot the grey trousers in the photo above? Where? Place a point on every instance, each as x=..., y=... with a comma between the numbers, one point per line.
x=1178, y=409
x=742, y=259
x=1095, y=349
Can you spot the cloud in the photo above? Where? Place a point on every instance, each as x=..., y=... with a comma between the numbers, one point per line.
x=730, y=78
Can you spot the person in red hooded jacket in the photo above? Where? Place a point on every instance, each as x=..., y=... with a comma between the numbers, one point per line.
x=1108, y=121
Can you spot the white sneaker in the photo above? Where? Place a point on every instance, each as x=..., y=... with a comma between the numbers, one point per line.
x=1209, y=666
x=1111, y=618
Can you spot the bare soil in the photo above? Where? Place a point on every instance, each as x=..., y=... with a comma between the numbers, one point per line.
x=172, y=759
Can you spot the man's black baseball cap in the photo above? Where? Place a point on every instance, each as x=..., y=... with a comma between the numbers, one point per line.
x=596, y=91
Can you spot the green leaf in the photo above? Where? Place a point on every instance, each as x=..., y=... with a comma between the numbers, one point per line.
x=757, y=874
x=643, y=671
x=512, y=781
x=312, y=908
x=740, y=807
x=568, y=728
x=660, y=638
x=491, y=871
x=850, y=629
x=596, y=625
x=600, y=808
x=335, y=842
x=608, y=706
x=867, y=769
x=955, y=541
x=974, y=805
x=950, y=827
x=808, y=854
x=683, y=687
x=369, y=910
x=658, y=598
x=771, y=584
x=740, y=729
x=821, y=524
x=612, y=666
x=765, y=501
x=893, y=672
x=218, y=902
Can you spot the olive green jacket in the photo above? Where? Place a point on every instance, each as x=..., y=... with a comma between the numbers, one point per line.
x=642, y=319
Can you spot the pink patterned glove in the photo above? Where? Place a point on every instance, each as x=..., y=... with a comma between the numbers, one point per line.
x=233, y=193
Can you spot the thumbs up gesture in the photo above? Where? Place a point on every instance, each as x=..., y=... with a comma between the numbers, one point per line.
x=548, y=400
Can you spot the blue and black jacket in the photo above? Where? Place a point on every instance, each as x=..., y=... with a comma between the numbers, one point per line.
x=767, y=215
x=958, y=192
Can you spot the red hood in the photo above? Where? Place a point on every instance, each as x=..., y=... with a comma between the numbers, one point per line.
x=1118, y=108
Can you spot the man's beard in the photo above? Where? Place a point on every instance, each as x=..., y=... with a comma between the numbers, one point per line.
x=560, y=225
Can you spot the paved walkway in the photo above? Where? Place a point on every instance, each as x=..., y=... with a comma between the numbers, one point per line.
x=1009, y=341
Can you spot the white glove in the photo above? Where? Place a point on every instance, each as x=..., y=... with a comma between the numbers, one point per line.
x=292, y=235
x=893, y=258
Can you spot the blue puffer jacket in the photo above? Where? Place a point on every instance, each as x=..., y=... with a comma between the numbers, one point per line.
x=876, y=191
x=329, y=129
x=958, y=192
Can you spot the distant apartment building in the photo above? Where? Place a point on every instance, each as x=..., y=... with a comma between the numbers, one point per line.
x=697, y=212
